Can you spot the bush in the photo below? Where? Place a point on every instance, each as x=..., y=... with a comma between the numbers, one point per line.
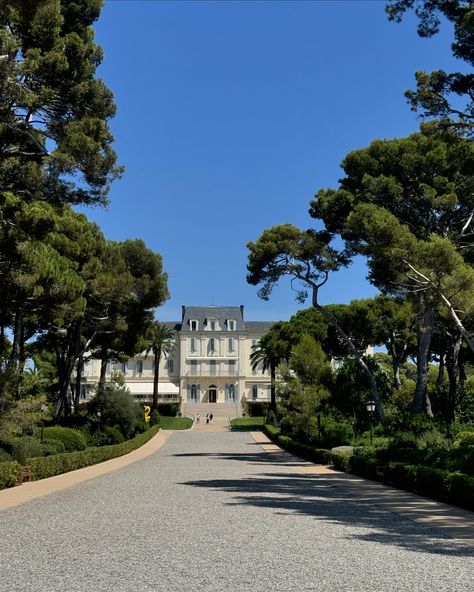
x=24, y=448
x=155, y=418
x=271, y=419
x=460, y=490
x=5, y=456
x=363, y=466
x=341, y=460
x=465, y=439
x=431, y=482
x=271, y=431
x=49, y=466
x=9, y=474
x=117, y=408
x=109, y=435
x=70, y=438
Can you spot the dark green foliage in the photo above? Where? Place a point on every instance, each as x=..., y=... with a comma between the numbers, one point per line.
x=465, y=438
x=5, y=456
x=49, y=466
x=117, y=408
x=25, y=447
x=154, y=418
x=9, y=473
x=341, y=460
x=106, y=436
x=271, y=419
x=461, y=490
x=168, y=409
x=364, y=466
x=70, y=439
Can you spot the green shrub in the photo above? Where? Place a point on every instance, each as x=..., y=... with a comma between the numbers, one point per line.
x=431, y=482
x=9, y=474
x=364, y=466
x=25, y=447
x=108, y=435
x=175, y=423
x=465, y=439
x=155, y=418
x=461, y=459
x=341, y=460
x=247, y=423
x=49, y=466
x=5, y=456
x=117, y=408
x=271, y=431
x=70, y=438
x=460, y=490
x=168, y=409
x=401, y=475
x=271, y=419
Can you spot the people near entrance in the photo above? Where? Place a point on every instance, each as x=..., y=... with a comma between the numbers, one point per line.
x=207, y=418
x=197, y=418
x=211, y=416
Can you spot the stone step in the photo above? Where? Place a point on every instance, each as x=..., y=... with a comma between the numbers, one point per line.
x=218, y=410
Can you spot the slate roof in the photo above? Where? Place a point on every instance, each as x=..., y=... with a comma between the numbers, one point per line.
x=222, y=314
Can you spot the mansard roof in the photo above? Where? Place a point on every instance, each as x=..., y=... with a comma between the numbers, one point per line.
x=221, y=313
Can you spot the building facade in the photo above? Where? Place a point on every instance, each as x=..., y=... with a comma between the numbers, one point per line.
x=208, y=368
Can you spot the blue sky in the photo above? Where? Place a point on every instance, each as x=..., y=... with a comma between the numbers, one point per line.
x=231, y=115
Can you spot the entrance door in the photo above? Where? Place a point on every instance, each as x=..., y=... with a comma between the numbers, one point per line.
x=212, y=394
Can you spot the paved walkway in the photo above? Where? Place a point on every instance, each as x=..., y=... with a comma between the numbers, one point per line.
x=217, y=510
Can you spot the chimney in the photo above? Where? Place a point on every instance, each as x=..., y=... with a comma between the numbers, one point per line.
x=182, y=312
x=242, y=311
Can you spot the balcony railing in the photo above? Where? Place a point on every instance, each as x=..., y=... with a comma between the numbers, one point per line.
x=212, y=373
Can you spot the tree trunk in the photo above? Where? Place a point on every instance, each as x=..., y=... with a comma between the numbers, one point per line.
x=373, y=384
x=156, y=377
x=16, y=346
x=77, y=390
x=442, y=363
x=103, y=368
x=421, y=402
x=452, y=367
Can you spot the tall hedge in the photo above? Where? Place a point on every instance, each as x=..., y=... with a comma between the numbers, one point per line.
x=9, y=473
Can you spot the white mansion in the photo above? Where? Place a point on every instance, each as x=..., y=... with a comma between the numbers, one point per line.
x=208, y=368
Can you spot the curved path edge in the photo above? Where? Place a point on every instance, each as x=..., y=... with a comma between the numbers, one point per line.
x=453, y=521
x=20, y=494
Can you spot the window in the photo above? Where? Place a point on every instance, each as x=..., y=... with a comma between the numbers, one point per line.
x=212, y=344
x=83, y=393
x=193, y=392
x=194, y=325
x=232, y=367
x=124, y=367
x=254, y=391
x=170, y=365
x=231, y=392
x=193, y=366
x=193, y=344
x=231, y=344
x=139, y=367
x=212, y=324
x=231, y=324
x=212, y=368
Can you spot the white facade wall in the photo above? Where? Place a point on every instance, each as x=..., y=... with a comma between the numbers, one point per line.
x=205, y=366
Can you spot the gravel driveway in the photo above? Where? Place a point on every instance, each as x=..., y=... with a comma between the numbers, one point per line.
x=212, y=511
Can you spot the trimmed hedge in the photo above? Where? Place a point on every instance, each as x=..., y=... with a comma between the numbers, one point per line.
x=10, y=472
x=48, y=466
x=451, y=487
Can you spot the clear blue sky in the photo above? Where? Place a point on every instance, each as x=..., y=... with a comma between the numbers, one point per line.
x=232, y=114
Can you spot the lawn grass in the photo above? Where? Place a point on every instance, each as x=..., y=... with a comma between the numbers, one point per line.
x=175, y=423
x=247, y=423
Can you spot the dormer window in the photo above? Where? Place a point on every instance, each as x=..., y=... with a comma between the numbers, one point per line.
x=211, y=324
x=231, y=325
x=193, y=325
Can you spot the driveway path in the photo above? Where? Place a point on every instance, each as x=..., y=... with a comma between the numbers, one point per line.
x=213, y=511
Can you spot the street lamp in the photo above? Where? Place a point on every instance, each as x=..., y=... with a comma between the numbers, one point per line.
x=99, y=415
x=370, y=410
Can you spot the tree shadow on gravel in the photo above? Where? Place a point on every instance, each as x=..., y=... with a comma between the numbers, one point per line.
x=283, y=458
x=324, y=498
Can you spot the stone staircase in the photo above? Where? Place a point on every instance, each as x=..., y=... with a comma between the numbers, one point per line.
x=218, y=410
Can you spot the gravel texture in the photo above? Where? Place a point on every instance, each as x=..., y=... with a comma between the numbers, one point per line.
x=212, y=511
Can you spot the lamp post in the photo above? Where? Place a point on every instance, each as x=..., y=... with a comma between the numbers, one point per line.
x=99, y=415
x=370, y=410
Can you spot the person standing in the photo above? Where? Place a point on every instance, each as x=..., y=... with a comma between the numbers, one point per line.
x=207, y=418
x=198, y=417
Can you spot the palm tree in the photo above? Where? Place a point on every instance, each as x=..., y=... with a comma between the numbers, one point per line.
x=160, y=340
x=268, y=353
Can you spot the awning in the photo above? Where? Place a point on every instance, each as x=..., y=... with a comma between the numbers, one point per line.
x=146, y=388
